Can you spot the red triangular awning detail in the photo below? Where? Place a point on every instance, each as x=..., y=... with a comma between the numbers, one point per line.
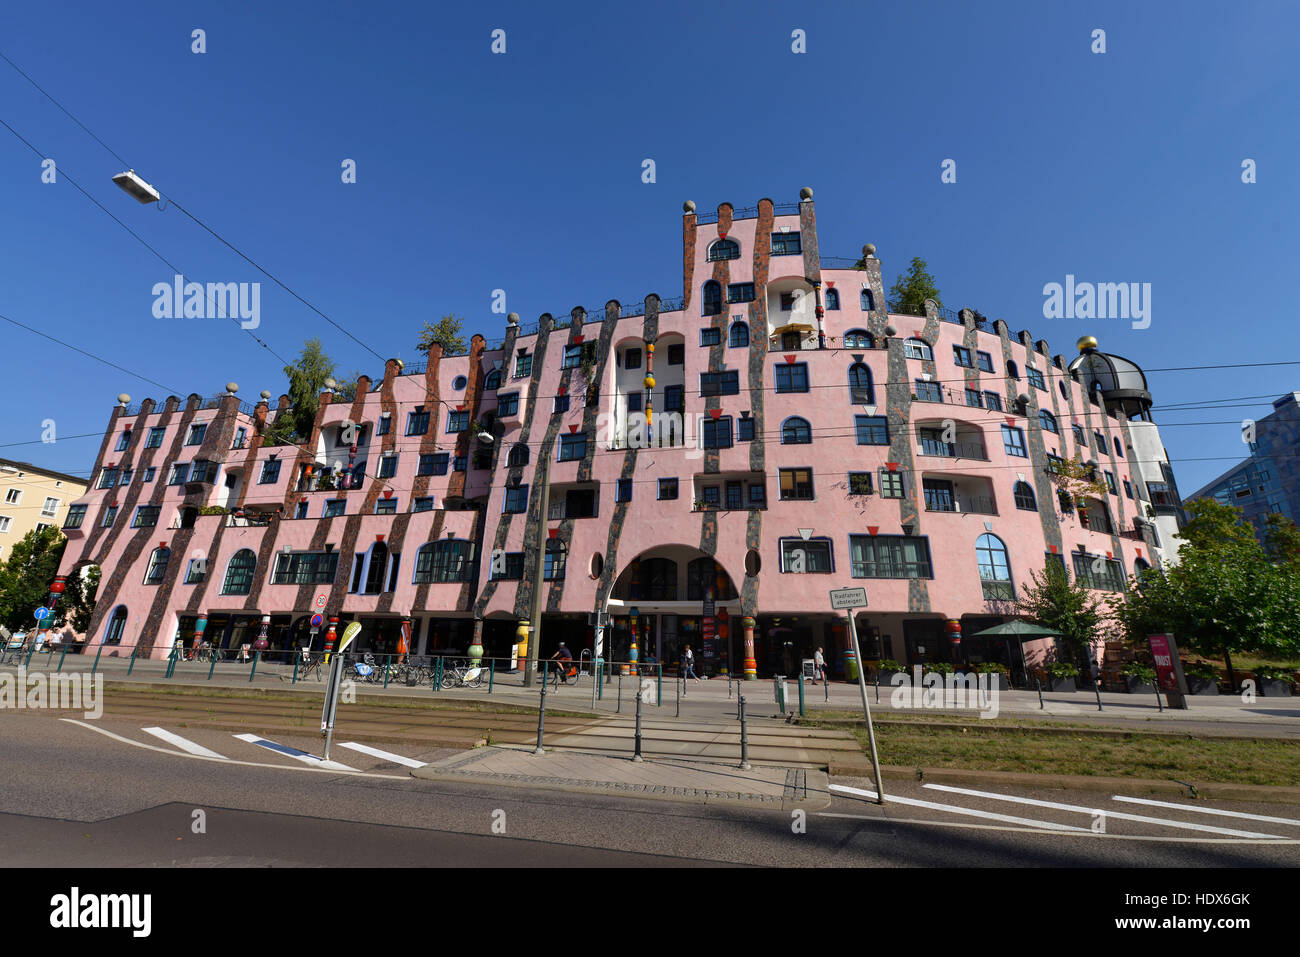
x=872, y=529
x=573, y=428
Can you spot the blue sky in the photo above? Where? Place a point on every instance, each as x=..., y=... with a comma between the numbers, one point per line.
x=523, y=172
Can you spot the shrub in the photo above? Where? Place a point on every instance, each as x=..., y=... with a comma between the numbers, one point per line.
x=1272, y=673
x=1202, y=671
x=1144, y=673
x=889, y=664
x=990, y=668
x=1061, y=669
x=940, y=667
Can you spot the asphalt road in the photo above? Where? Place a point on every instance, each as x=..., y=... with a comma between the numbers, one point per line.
x=73, y=795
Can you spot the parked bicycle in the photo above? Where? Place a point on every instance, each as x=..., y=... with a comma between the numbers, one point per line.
x=461, y=675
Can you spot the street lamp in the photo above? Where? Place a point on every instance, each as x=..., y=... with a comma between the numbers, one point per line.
x=135, y=186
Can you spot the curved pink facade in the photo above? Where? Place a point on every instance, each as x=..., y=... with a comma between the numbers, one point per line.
x=783, y=520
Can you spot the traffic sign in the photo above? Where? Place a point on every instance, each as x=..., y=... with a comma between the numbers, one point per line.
x=42, y=613
x=848, y=598
x=321, y=600
x=317, y=621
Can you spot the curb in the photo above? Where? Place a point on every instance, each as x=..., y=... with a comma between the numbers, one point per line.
x=1045, y=728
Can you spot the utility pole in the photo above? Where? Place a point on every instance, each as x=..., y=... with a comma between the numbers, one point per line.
x=543, y=476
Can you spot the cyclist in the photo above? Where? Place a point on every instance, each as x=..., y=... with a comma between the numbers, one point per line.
x=565, y=658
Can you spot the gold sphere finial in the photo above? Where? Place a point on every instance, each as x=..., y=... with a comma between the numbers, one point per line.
x=1087, y=342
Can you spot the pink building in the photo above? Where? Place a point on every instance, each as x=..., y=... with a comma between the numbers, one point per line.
x=774, y=433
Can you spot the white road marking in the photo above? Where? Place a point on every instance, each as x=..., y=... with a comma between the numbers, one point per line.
x=970, y=825
x=289, y=752
x=1208, y=810
x=1120, y=815
x=385, y=755
x=183, y=743
x=953, y=809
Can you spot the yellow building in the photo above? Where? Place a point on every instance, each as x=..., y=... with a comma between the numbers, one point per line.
x=32, y=498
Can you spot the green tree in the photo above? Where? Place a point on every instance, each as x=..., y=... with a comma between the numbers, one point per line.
x=1282, y=541
x=346, y=389
x=307, y=377
x=447, y=332
x=25, y=584
x=909, y=292
x=1054, y=601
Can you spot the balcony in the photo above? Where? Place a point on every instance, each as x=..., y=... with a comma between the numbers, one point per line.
x=953, y=450
x=959, y=494
x=973, y=504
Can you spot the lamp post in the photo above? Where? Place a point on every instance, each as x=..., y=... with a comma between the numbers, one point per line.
x=533, y=636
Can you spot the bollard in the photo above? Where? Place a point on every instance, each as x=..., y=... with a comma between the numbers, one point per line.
x=1159, y=703
x=636, y=756
x=619, y=709
x=659, y=689
x=1096, y=684
x=826, y=684
x=600, y=679
x=1039, y=684
x=541, y=713
x=61, y=657
x=96, y=664
x=744, y=733
x=492, y=672
x=677, y=683
x=437, y=673
x=213, y=667
x=131, y=666
x=387, y=667
x=877, y=678
x=802, y=713
x=296, y=659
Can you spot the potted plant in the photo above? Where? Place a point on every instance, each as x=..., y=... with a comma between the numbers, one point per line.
x=938, y=668
x=1139, y=678
x=1061, y=676
x=997, y=674
x=1273, y=681
x=886, y=670
x=1202, y=678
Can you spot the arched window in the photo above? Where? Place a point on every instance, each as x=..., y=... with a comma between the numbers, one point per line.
x=868, y=300
x=796, y=431
x=918, y=349
x=705, y=574
x=832, y=299
x=861, y=391
x=1047, y=421
x=1140, y=565
x=557, y=554
x=724, y=249
x=655, y=579
x=492, y=381
x=157, y=566
x=518, y=456
x=739, y=338
x=1012, y=371
x=449, y=560
x=712, y=298
x=859, y=339
x=995, y=568
x=1024, y=496
x=116, y=625
x=239, y=573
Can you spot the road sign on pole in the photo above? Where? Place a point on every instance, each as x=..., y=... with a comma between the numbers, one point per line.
x=41, y=613
x=335, y=683
x=849, y=599
x=317, y=621
x=321, y=600
x=842, y=598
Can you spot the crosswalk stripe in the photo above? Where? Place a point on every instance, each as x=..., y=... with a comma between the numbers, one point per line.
x=954, y=809
x=302, y=756
x=1120, y=815
x=386, y=755
x=183, y=743
x=1208, y=810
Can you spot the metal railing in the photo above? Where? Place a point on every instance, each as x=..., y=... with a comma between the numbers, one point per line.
x=954, y=450
x=973, y=504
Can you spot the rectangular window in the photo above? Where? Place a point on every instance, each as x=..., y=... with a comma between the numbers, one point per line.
x=155, y=437
x=1098, y=442
x=889, y=556
x=179, y=473
x=891, y=484
x=786, y=244
x=196, y=571
x=634, y=401
x=196, y=434
x=203, y=471
x=860, y=483
x=757, y=495
x=632, y=359
x=385, y=424
x=720, y=383
x=745, y=429
x=76, y=515
x=423, y=504
x=417, y=422
x=123, y=441
x=667, y=489
x=457, y=421
x=735, y=492
x=1013, y=441
x=811, y=557
x=740, y=292
x=1128, y=488
x=993, y=401
x=985, y=361
x=928, y=391
x=110, y=516
x=872, y=429
x=712, y=495
x=716, y=433
x=1080, y=440
x=149, y=473
x=241, y=438
x=126, y=477
x=1036, y=379
x=1093, y=571
x=961, y=357
x=677, y=354
x=509, y=567
x=796, y=485
x=13, y=496
x=50, y=508
x=675, y=398
x=459, y=463
x=270, y=472
x=387, y=466
x=623, y=491
x=6, y=521
x=305, y=568
x=1110, y=483
x=792, y=377
x=710, y=337
x=561, y=403
x=507, y=404
x=335, y=507
x=107, y=479
x=523, y=365
x=146, y=516
x=516, y=500
x=573, y=448
x=973, y=398
x=300, y=510
x=386, y=506
x=426, y=466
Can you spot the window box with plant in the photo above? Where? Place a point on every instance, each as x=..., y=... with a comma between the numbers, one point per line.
x=1139, y=678
x=1202, y=678
x=1273, y=681
x=1061, y=676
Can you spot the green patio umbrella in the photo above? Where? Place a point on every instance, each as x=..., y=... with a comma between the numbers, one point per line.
x=1022, y=631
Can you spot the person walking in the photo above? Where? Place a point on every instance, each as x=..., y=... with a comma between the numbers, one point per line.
x=688, y=664
x=819, y=666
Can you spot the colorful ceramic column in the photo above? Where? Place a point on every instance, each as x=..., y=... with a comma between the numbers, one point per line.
x=750, y=665
x=521, y=646
x=632, y=654
x=953, y=627
x=476, y=645
x=850, y=660
x=649, y=393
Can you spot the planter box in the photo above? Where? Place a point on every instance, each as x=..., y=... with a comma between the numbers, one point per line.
x=998, y=681
x=1138, y=686
x=1273, y=687
x=886, y=678
x=1060, y=684
x=1202, y=686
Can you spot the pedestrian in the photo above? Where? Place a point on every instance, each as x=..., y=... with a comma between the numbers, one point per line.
x=688, y=664
x=819, y=665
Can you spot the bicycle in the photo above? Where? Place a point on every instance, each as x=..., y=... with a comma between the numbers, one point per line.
x=461, y=675
x=309, y=666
